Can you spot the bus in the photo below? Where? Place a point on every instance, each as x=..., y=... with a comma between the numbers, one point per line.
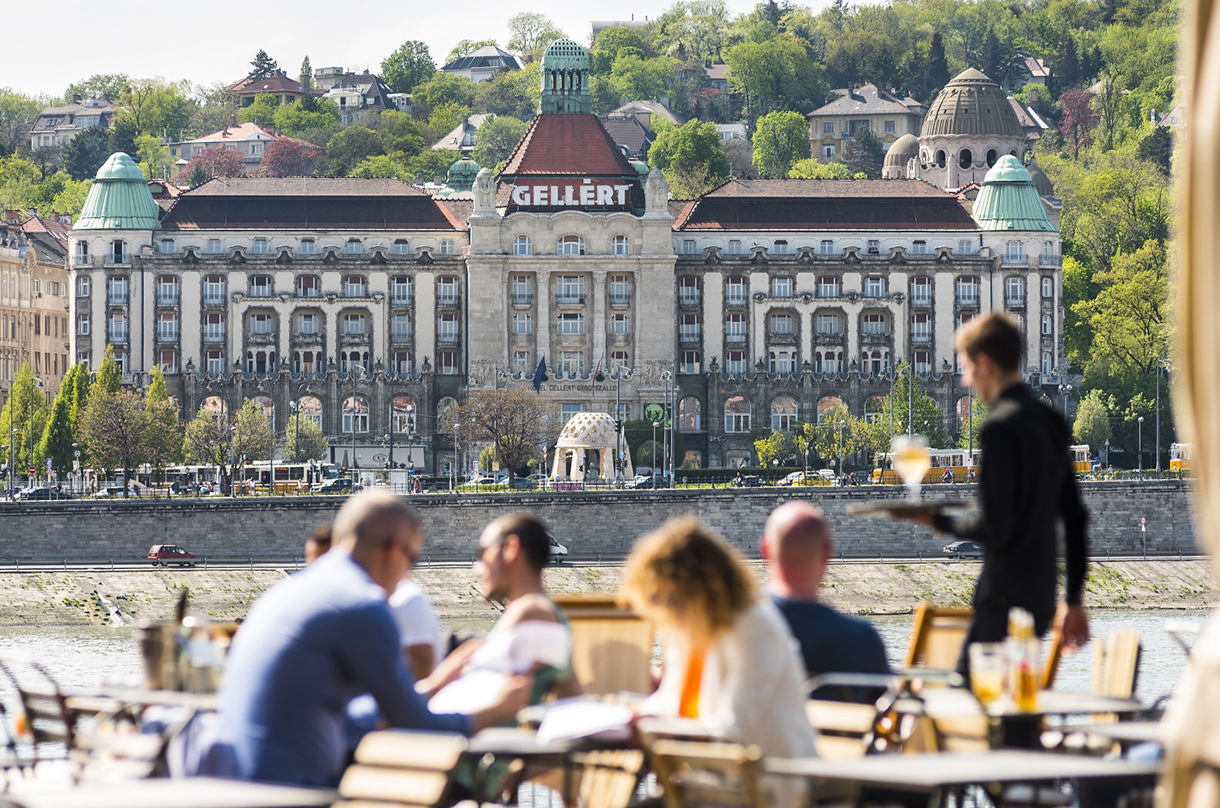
x=1180, y=456
x=290, y=478
x=952, y=459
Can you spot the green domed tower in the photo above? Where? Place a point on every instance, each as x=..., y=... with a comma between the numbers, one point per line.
x=1009, y=200
x=119, y=199
x=565, y=78
x=460, y=178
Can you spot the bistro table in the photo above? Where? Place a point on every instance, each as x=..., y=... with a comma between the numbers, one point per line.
x=190, y=792
x=935, y=774
x=1126, y=733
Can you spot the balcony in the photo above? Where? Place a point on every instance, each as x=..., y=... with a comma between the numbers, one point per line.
x=1014, y=302
x=689, y=297
x=875, y=337
x=736, y=297
x=828, y=292
x=1013, y=259
x=401, y=336
x=308, y=291
x=688, y=334
x=213, y=336
x=116, y=299
x=260, y=338
x=306, y=337
x=213, y=298
x=968, y=301
x=783, y=336
x=448, y=299
x=259, y=291
x=1051, y=260
x=118, y=259
x=921, y=337
x=355, y=291
x=921, y=301
x=447, y=337
x=116, y=334
x=167, y=298
x=624, y=299
x=81, y=261
x=402, y=299
x=523, y=299
x=167, y=334
x=569, y=300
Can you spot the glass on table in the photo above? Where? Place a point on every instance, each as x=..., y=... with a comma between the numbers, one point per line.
x=911, y=460
x=987, y=665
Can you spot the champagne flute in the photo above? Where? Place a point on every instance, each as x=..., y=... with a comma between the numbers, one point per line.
x=912, y=461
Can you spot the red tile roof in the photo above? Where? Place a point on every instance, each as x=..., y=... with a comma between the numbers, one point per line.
x=568, y=144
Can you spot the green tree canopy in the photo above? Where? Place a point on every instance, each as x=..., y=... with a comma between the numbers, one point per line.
x=295, y=120
x=348, y=148
x=23, y=418
x=495, y=139
x=812, y=169
x=304, y=440
x=164, y=434
x=608, y=45
x=261, y=111
x=780, y=140
x=109, y=375
x=56, y=441
x=408, y=66
x=1092, y=421
x=778, y=445
x=262, y=66
x=443, y=88
x=690, y=157
x=157, y=107
x=530, y=33
x=86, y=153
x=864, y=154
x=467, y=47
x=513, y=93
x=115, y=429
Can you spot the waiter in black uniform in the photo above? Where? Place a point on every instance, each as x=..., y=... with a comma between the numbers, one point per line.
x=1026, y=490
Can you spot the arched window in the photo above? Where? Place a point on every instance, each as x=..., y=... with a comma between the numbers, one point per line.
x=827, y=405
x=355, y=414
x=571, y=245
x=963, y=413
x=992, y=157
x=737, y=414
x=268, y=408
x=402, y=415
x=215, y=405
x=1048, y=325
x=689, y=412
x=783, y=413
x=940, y=158
x=620, y=245
x=310, y=408
x=965, y=158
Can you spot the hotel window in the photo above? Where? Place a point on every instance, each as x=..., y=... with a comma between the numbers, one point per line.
x=261, y=286
x=828, y=286
x=735, y=292
x=214, y=328
x=213, y=290
x=781, y=361
x=688, y=291
x=1048, y=325
x=82, y=252
x=571, y=323
x=522, y=246
x=308, y=286
x=620, y=245
x=618, y=324
x=737, y=414
x=1048, y=288
x=873, y=324
x=566, y=411
x=521, y=324
x=167, y=290
x=354, y=323
x=448, y=247
x=689, y=328
x=307, y=247
x=965, y=247
x=166, y=246
x=688, y=246
x=1014, y=290
x=354, y=286
x=889, y=127
x=82, y=325
x=921, y=291
x=571, y=290
x=1048, y=363
x=355, y=414
x=968, y=291
x=919, y=247
x=214, y=363
x=447, y=291
x=400, y=247
x=259, y=247
x=118, y=327
x=401, y=291
x=84, y=286
x=213, y=247
x=447, y=327
x=261, y=323
x=571, y=245
x=572, y=363
x=307, y=324
x=118, y=252
x=402, y=362
x=734, y=247
x=783, y=413
x=167, y=327
x=874, y=287
x=828, y=127
x=780, y=247
x=353, y=247
x=1013, y=253
x=522, y=290
x=826, y=247
x=735, y=328
x=828, y=150
x=169, y=361
x=829, y=362
x=874, y=246
x=400, y=327
x=735, y=362
x=781, y=287
x=921, y=328
x=620, y=290
x=116, y=294
x=619, y=360
x=922, y=362
x=828, y=325
x=521, y=363
x=781, y=325
x=691, y=361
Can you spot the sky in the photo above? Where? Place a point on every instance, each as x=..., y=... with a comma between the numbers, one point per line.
x=208, y=44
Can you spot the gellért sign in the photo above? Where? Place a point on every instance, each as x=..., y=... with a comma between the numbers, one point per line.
x=585, y=195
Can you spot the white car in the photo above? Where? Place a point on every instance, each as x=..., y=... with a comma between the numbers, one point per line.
x=558, y=551
x=828, y=475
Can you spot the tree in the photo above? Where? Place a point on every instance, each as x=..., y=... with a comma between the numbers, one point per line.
x=895, y=412
x=23, y=418
x=519, y=424
x=263, y=66
x=443, y=88
x=289, y=157
x=530, y=33
x=196, y=177
x=217, y=161
x=467, y=47
x=445, y=117
x=109, y=375
x=634, y=77
x=993, y=54
x=87, y=152
x=1092, y=420
x=938, y=66
x=690, y=157
x=495, y=140
x=157, y=107
x=17, y=114
x=513, y=93
x=123, y=135
x=298, y=118
x=261, y=111
x=306, y=74
x=99, y=85
x=778, y=445
x=968, y=433
x=1077, y=120
x=380, y=165
x=1067, y=67
x=864, y=154
x=153, y=154
x=780, y=140
x=837, y=432
x=811, y=169
x=79, y=376
x=348, y=148
x=56, y=442
x=1128, y=317
x=1155, y=148
x=408, y=67
x=304, y=440
x=225, y=440
x=164, y=434
x=779, y=73
x=610, y=42
x=115, y=428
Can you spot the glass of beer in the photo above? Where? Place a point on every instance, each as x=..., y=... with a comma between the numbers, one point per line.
x=987, y=665
x=911, y=460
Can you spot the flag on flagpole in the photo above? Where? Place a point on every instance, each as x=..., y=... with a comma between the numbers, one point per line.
x=539, y=375
x=597, y=371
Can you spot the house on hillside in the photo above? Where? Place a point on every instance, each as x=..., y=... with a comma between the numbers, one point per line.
x=1024, y=69
x=645, y=111
x=628, y=133
x=869, y=107
x=483, y=64
x=248, y=138
x=359, y=93
x=461, y=137
x=56, y=126
x=284, y=89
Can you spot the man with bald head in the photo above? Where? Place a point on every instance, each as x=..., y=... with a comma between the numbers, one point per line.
x=797, y=547
x=322, y=637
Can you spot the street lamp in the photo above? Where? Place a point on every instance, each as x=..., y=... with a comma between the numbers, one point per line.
x=1140, y=443
x=652, y=453
x=1065, y=390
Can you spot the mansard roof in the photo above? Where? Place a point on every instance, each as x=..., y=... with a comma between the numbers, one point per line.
x=824, y=205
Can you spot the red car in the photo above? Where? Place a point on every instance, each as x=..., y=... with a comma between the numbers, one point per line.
x=166, y=554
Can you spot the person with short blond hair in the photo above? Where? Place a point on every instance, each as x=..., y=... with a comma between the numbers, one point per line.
x=730, y=661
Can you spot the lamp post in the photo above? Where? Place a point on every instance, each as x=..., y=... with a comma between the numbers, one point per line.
x=34, y=380
x=295, y=409
x=652, y=453
x=12, y=440
x=1163, y=362
x=1065, y=390
x=1140, y=444
x=667, y=458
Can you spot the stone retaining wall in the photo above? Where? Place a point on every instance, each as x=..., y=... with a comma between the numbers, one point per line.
x=589, y=523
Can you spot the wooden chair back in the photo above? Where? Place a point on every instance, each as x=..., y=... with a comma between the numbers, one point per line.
x=1116, y=662
x=937, y=636
x=45, y=719
x=1050, y=668
x=610, y=778
x=401, y=769
x=843, y=730
x=693, y=773
x=611, y=645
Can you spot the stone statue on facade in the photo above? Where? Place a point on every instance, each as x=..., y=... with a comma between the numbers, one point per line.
x=484, y=194
x=656, y=195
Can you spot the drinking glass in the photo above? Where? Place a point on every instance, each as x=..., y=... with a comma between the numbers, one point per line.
x=987, y=665
x=911, y=460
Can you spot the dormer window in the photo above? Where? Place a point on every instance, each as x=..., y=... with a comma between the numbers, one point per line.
x=307, y=247
x=401, y=247
x=259, y=247
x=353, y=247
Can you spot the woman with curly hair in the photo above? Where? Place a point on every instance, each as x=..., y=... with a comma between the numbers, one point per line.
x=730, y=660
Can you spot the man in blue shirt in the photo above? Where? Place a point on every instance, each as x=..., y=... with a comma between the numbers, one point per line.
x=318, y=639
x=797, y=547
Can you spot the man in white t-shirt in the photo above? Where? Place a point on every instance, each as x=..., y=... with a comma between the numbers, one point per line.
x=419, y=629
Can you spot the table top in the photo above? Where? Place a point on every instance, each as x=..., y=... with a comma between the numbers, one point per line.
x=944, y=702
x=514, y=742
x=1125, y=731
x=190, y=792
x=931, y=772
x=88, y=696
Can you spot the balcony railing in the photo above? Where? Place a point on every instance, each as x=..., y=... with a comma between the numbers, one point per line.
x=260, y=291
x=447, y=299
x=967, y=300
x=569, y=300
x=116, y=334
x=118, y=259
x=624, y=299
x=447, y=337
x=689, y=333
x=689, y=297
x=523, y=299
x=402, y=299
x=1015, y=301
x=735, y=339
x=401, y=335
x=918, y=299
x=167, y=298
x=117, y=298
x=213, y=336
x=167, y=334
x=352, y=290
x=828, y=291
x=308, y=291
x=213, y=298
x=1051, y=260
x=921, y=337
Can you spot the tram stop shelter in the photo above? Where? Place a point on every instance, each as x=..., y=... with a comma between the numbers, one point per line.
x=585, y=449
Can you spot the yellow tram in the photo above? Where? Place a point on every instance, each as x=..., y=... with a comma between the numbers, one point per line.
x=1180, y=456
x=953, y=460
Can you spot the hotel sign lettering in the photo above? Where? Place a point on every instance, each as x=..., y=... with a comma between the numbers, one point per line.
x=585, y=195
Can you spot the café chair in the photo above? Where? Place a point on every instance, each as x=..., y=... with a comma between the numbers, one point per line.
x=609, y=778
x=611, y=644
x=401, y=769
x=46, y=726
x=937, y=636
x=694, y=773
